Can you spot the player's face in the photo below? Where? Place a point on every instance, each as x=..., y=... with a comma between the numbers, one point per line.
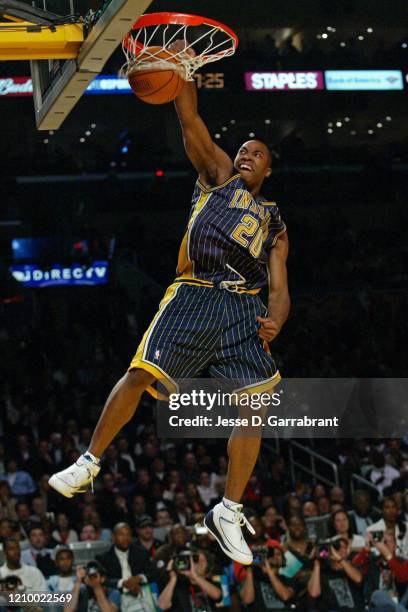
x=253, y=162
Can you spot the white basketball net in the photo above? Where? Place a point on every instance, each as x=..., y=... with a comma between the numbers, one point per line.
x=215, y=44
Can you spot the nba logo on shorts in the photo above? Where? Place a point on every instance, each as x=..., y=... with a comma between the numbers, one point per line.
x=157, y=355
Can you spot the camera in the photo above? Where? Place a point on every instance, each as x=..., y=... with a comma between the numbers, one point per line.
x=10, y=583
x=260, y=553
x=323, y=547
x=93, y=568
x=377, y=536
x=182, y=560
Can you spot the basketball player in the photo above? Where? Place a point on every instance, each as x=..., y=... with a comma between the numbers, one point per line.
x=211, y=319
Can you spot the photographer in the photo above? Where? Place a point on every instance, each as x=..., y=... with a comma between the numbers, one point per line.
x=262, y=587
x=335, y=583
x=90, y=593
x=392, y=524
x=384, y=571
x=191, y=588
x=31, y=577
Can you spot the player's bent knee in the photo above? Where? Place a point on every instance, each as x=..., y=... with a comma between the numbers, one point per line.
x=138, y=379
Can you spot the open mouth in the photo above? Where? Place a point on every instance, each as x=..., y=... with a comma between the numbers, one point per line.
x=245, y=167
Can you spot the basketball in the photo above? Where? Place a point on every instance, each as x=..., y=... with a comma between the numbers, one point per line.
x=156, y=86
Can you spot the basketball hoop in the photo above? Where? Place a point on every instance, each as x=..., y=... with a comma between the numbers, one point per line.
x=152, y=35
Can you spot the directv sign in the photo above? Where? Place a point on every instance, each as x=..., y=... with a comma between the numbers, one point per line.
x=32, y=275
x=283, y=81
x=364, y=80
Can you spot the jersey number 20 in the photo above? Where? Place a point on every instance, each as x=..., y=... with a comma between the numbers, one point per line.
x=249, y=235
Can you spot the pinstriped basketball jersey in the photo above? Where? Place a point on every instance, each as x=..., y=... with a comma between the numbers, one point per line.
x=228, y=236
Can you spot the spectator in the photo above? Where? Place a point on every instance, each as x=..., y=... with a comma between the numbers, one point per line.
x=91, y=593
x=173, y=485
x=116, y=465
x=193, y=498
x=382, y=475
x=337, y=496
x=37, y=554
x=7, y=502
x=263, y=588
x=178, y=541
x=21, y=483
x=39, y=511
x=63, y=580
x=127, y=565
x=145, y=539
x=362, y=511
x=138, y=508
x=191, y=589
x=206, y=488
x=273, y=523
x=298, y=542
x=335, y=583
x=323, y=505
x=339, y=525
x=88, y=533
x=124, y=453
x=23, y=518
x=309, y=509
x=383, y=571
x=390, y=523
x=159, y=469
x=182, y=511
x=163, y=518
x=292, y=506
x=190, y=472
x=30, y=576
x=63, y=533
x=6, y=530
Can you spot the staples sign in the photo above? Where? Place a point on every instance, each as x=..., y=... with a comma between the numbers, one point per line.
x=283, y=81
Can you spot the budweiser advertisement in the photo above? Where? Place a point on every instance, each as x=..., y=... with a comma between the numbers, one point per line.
x=283, y=81
x=16, y=86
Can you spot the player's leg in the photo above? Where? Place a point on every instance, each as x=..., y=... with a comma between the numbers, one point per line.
x=245, y=360
x=243, y=450
x=119, y=409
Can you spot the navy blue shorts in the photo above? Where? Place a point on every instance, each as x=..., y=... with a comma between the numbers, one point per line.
x=202, y=331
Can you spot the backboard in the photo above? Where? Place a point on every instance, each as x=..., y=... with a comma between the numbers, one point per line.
x=58, y=84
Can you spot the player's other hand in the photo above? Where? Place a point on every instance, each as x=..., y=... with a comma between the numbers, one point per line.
x=180, y=45
x=268, y=329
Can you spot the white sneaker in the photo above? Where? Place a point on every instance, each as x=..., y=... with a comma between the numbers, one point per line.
x=75, y=478
x=225, y=525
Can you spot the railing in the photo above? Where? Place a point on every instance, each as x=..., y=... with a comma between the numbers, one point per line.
x=312, y=469
x=363, y=483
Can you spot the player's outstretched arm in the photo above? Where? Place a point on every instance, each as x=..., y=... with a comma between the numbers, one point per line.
x=213, y=165
x=278, y=300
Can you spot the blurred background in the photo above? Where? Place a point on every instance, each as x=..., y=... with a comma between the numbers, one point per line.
x=92, y=215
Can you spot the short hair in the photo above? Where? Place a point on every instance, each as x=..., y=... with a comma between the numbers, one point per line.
x=64, y=549
x=386, y=500
x=10, y=540
x=272, y=155
x=120, y=525
x=33, y=527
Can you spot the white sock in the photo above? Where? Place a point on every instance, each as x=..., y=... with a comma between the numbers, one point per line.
x=91, y=456
x=228, y=503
